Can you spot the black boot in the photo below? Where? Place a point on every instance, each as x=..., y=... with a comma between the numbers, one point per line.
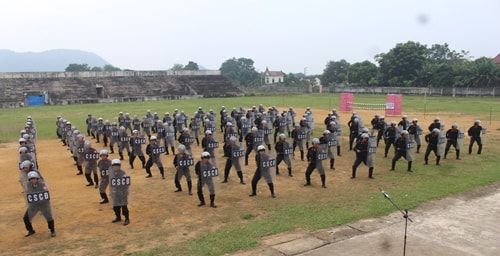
x=353, y=173
x=28, y=225
x=338, y=151
x=89, y=180
x=166, y=150
x=418, y=148
x=393, y=165
x=202, y=199
x=143, y=161
x=96, y=180
x=121, y=155
x=117, y=214
x=190, y=186
x=437, y=160
x=458, y=155
x=177, y=185
x=173, y=150
x=290, y=172
x=131, y=161
x=52, y=229
x=370, y=173
x=277, y=170
x=80, y=170
x=75, y=159
x=271, y=188
x=212, y=201
x=302, y=155
x=323, y=181
x=307, y=144
x=162, y=172
x=111, y=149
x=246, y=160
x=125, y=213
x=104, y=198
x=240, y=175
x=197, y=142
x=332, y=164
x=409, y=166
x=308, y=180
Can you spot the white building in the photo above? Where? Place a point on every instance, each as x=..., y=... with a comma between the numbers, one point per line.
x=272, y=77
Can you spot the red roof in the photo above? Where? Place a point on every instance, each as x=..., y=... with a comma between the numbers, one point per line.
x=496, y=60
x=272, y=73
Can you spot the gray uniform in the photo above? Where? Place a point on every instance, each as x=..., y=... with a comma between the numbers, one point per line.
x=38, y=198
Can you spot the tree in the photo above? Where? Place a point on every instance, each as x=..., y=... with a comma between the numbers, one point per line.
x=362, y=73
x=77, y=67
x=241, y=71
x=402, y=63
x=177, y=67
x=191, y=66
x=483, y=73
x=96, y=69
x=109, y=67
x=335, y=72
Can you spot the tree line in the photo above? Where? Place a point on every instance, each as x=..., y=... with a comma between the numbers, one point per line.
x=409, y=64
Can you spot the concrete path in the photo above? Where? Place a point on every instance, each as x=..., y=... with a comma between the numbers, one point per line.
x=463, y=224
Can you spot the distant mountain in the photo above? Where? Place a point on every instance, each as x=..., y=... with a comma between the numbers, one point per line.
x=52, y=60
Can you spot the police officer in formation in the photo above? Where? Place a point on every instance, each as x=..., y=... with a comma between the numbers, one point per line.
x=432, y=140
x=136, y=144
x=206, y=171
x=451, y=140
x=119, y=190
x=182, y=161
x=262, y=161
x=153, y=150
x=401, y=145
x=475, y=136
x=104, y=168
x=91, y=157
x=232, y=152
x=361, y=150
x=314, y=163
x=283, y=151
x=38, y=198
x=415, y=131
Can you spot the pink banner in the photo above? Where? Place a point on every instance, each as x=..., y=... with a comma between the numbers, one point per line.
x=394, y=105
x=346, y=101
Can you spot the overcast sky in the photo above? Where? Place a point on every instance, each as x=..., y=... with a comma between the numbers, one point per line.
x=283, y=35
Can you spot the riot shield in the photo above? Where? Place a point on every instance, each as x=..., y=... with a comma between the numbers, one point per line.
x=302, y=136
x=441, y=126
x=119, y=187
x=338, y=135
x=322, y=155
x=361, y=125
x=411, y=148
x=268, y=167
x=399, y=129
x=441, y=143
x=236, y=154
x=460, y=138
x=484, y=136
x=209, y=178
x=288, y=151
x=372, y=151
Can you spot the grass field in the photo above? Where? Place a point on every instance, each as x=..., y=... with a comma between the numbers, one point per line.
x=239, y=223
x=482, y=108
